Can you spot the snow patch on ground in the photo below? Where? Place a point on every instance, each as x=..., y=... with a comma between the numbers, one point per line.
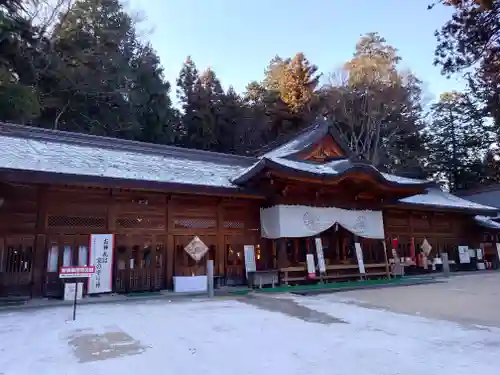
x=229, y=337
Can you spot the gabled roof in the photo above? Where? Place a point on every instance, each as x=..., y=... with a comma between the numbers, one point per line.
x=81, y=157
x=325, y=171
x=65, y=153
x=285, y=158
x=304, y=141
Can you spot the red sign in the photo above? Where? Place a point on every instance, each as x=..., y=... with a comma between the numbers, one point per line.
x=76, y=272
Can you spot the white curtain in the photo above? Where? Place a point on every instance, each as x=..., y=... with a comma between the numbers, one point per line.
x=304, y=221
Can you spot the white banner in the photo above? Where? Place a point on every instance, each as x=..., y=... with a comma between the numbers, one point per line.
x=311, y=267
x=303, y=221
x=101, y=256
x=249, y=252
x=359, y=256
x=320, y=255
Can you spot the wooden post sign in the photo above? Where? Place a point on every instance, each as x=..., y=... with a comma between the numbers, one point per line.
x=76, y=273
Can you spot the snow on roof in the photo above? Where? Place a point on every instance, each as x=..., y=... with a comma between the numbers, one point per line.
x=487, y=222
x=305, y=139
x=331, y=168
x=438, y=198
x=71, y=158
x=403, y=180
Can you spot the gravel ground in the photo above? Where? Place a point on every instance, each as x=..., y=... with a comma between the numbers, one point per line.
x=469, y=299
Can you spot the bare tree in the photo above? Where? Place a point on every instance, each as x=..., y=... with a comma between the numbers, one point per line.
x=368, y=115
x=45, y=14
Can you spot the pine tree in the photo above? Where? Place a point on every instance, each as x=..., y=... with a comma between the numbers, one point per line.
x=298, y=85
x=19, y=98
x=458, y=139
x=149, y=99
x=188, y=95
x=101, y=79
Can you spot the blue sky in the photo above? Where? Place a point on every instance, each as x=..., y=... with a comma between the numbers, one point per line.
x=238, y=38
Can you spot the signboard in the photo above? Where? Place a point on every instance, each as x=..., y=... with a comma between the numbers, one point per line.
x=101, y=257
x=426, y=247
x=69, y=291
x=479, y=254
x=320, y=255
x=249, y=251
x=463, y=254
x=196, y=249
x=359, y=256
x=76, y=272
x=311, y=267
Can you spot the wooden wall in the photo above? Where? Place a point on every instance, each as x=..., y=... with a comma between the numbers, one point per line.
x=41, y=217
x=151, y=230
x=444, y=231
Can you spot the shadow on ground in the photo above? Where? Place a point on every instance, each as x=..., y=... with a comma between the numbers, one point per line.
x=289, y=308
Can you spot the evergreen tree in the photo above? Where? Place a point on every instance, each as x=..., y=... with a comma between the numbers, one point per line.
x=100, y=79
x=19, y=99
x=459, y=138
x=188, y=95
x=150, y=100
x=298, y=88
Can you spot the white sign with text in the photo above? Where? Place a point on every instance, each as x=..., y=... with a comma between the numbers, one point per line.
x=359, y=256
x=320, y=255
x=101, y=257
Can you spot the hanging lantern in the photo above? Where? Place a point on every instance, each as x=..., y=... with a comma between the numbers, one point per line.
x=395, y=243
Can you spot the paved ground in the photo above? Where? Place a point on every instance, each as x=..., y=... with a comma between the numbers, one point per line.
x=468, y=299
x=266, y=335
x=340, y=333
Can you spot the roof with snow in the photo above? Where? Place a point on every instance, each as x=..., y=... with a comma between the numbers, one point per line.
x=487, y=222
x=64, y=153
x=435, y=197
x=80, y=158
x=303, y=141
x=284, y=157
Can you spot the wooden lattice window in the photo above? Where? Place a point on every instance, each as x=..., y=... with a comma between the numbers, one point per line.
x=234, y=225
x=195, y=223
x=140, y=222
x=61, y=221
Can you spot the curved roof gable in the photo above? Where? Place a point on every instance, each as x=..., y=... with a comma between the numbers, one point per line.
x=305, y=141
x=331, y=170
x=291, y=157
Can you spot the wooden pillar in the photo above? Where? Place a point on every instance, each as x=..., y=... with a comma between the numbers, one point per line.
x=386, y=260
x=412, y=238
x=281, y=247
x=274, y=254
x=111, y=214
x=170, y=246
x=40, y=245
x=220, y=253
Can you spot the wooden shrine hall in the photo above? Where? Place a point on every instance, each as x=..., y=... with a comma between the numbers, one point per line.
x=166, y=210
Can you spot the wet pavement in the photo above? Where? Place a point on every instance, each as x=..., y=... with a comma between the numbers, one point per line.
x=289, y=308
x=90, y=347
